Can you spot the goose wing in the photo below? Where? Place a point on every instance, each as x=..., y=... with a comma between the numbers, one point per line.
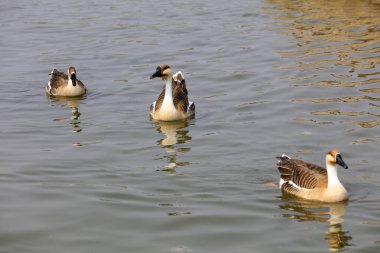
x=180, y=99
x=300, y=174
x=158, y=103
x=57, y=79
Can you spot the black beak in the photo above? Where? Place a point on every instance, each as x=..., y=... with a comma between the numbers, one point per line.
x=340, y=161
x=157, y=73
x=73, y=79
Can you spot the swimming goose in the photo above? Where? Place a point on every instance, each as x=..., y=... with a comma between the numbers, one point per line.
x=172, y=104
x=311, y=181
x=61, y=85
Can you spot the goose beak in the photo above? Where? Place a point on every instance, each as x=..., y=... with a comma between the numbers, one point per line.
x=157, y=73
x=73, y=79
x=340, y=161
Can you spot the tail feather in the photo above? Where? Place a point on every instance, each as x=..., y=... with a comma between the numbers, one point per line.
x=178, y=77
x=283, y=157
x=286, y=173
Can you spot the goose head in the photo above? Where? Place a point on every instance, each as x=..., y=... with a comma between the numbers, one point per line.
x=162, y=71
x=333, y=157
x=71, y=72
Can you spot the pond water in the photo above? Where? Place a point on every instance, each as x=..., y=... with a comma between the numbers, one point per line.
x=95, y=174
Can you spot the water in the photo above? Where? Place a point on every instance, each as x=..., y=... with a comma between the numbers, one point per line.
x=267, y=77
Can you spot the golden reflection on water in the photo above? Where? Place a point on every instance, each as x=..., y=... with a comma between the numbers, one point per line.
x=334, y=44
x=175, y=133
x=330, y=213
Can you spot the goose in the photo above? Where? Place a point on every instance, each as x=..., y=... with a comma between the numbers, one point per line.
x=309, y=181
x=65, y=85
x=172, y=104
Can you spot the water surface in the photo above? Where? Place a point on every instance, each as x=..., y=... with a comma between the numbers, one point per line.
x=97, y=175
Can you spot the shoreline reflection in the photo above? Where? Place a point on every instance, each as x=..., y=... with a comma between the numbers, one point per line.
x=332, y=58
x=330, y=213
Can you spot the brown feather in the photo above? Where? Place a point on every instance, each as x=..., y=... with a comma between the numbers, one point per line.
x=58, y=78
x=180, y=100
x=305, y=175
x=289, y=188
x=160, y=99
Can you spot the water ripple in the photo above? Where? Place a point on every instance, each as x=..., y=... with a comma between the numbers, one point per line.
x=332, y=50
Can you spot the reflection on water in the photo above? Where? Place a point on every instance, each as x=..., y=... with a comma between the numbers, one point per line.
x=329, y=213
x=335, y=49
x=175, y=133
x=73, y=104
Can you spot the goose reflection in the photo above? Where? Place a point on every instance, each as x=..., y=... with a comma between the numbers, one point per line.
x=175, y=133
x=73, y=104
x=329, y=213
